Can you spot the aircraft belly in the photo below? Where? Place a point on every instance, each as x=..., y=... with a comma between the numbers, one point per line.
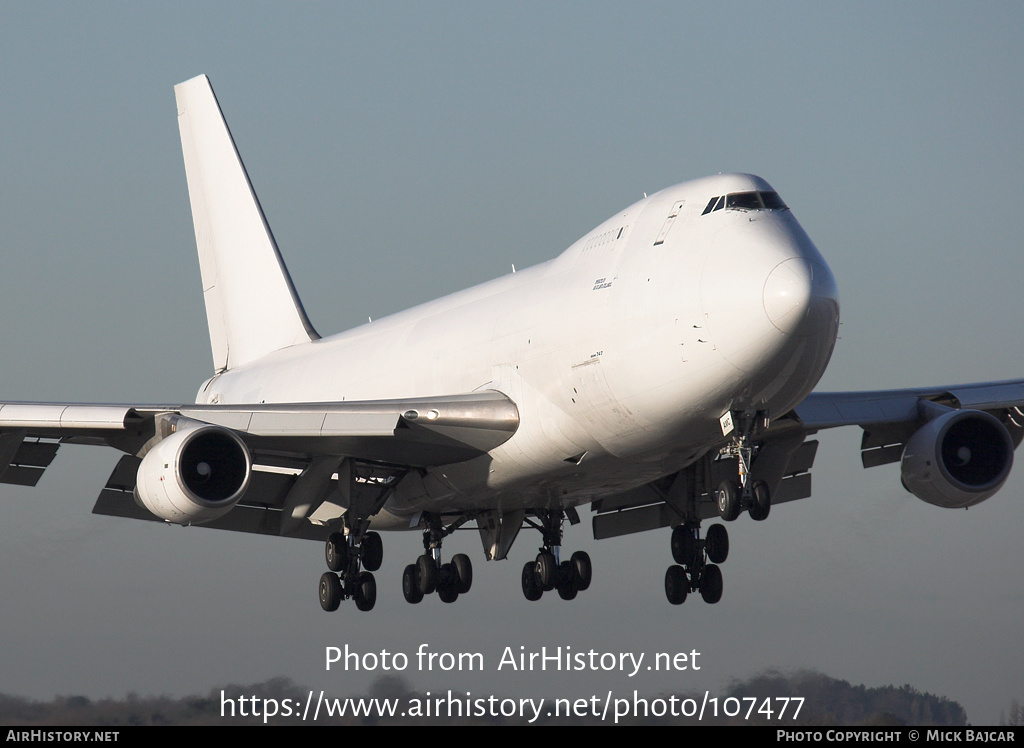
x=385, y=520
x=511, y=489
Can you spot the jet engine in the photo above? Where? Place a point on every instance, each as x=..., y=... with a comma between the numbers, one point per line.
x=194, y=475
x=958, y=459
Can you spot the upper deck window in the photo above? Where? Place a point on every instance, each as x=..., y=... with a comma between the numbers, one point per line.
x=746, y=201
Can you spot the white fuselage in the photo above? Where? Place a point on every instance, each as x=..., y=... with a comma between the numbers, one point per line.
x=621, y=354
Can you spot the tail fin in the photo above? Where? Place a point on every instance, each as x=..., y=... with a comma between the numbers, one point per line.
x=251, y=304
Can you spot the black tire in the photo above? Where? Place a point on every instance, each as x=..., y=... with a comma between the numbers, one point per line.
x=717, y=544
x=728, y=498
x=447, y=593
x=336, y=551
x=372, y=551
x=684, y=546
x=531, y=587
x=677, y=585
x=567, y=590
x=426, y=570
x=411, y=585
x=365, y=593
x=566, y=574
x=711, y=584
x=762, y=504
x=463, y=568
x=330, y=591
x=583, y=568
x=547, y=571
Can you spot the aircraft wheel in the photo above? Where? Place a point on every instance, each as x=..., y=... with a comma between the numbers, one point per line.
x=366, y=591
x=546, y=570
x=677, y=585
x=711, y=584
x=427, y=572
x=717, y=544
x=330, y=591
x=463, y=568
x=411, y=585
x=762, y=501
x=684, y=545
x=448, y=593
x=567, y=590
x=336, y=551
x=728, y=498
x=584, y=571
x=373, y=551
x=531, y=588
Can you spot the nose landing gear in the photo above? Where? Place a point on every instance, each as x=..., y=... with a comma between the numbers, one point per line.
x=734, y=496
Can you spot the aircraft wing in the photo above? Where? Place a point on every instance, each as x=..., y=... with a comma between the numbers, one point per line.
x=288, y=443
x=890, y=420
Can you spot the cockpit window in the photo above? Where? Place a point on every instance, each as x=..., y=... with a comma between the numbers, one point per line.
x=743, y=201
x=746, y=201
x=772, y=201
x=714, y=203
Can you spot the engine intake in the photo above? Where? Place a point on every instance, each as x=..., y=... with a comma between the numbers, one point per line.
x=958, y=459
x=194, y=475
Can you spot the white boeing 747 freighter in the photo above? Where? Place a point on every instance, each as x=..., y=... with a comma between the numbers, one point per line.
x=659, y=370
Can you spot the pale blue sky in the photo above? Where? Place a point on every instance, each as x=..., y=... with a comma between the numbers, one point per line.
x=405, y=150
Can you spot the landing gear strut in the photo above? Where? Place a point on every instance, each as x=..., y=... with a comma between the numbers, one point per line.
x=428, y=574
x=548, y=572
x=697, y=562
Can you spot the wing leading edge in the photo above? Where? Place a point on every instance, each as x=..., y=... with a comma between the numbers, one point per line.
x=890, y=418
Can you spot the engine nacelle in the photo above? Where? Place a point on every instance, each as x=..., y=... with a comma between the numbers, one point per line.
x=194, y=475
x=958, y=459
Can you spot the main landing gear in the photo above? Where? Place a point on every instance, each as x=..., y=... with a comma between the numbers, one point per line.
x=548, y=572
x=697, y=562
x=352, y=552
x=428, y=574
x=345, y=579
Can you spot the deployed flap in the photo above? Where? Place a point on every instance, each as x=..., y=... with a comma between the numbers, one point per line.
x=23, y=461
x=251, y=305
x=256, y=515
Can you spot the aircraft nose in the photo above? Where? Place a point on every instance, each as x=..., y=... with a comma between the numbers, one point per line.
x=764, y=289
x=800, y=296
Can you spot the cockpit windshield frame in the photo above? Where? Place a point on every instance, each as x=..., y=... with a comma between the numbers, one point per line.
x=746, y=201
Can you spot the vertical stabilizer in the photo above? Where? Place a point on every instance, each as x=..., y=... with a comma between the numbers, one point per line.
x=251, y=304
